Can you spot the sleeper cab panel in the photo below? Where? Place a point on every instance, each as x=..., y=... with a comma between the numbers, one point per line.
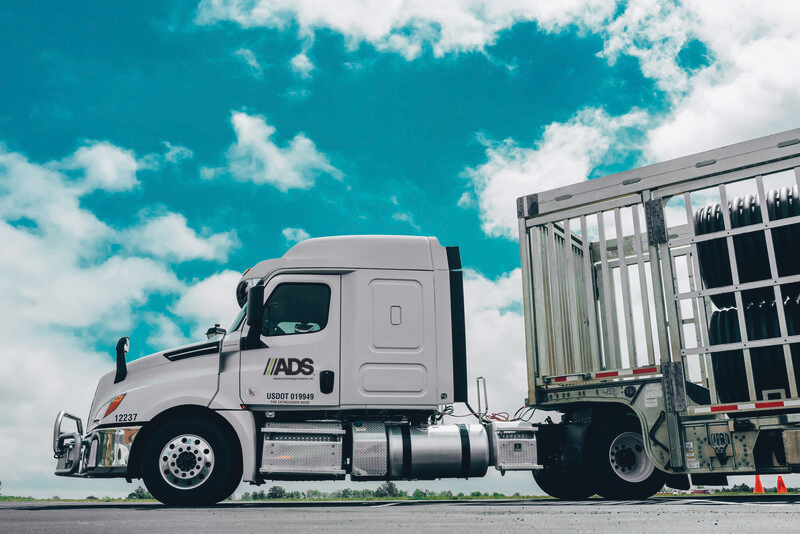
x=389, y=349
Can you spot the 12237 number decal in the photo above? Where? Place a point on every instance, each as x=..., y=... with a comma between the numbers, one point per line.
x=125, y=417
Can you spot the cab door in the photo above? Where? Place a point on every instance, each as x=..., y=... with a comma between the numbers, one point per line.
x=299, y=367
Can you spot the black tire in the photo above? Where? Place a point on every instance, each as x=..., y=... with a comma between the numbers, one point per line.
x=566, y=483
x=621, y=466
x=204, y=465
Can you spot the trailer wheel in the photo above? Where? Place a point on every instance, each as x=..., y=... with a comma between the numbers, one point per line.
x=190, y=462
x=566, y=483
x=621, y=465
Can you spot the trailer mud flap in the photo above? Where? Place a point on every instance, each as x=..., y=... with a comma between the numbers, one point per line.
x=575, y=437
x=678, y=482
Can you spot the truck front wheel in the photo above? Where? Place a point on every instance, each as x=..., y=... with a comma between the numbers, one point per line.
x=622, y=468
x=190, y=462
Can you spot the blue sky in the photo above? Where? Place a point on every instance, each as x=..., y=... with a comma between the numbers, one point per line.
x=394, y=128
x=152, y=151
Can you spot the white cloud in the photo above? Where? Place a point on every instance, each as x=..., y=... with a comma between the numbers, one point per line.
x=41, y=194
x=209, y=301
x=254, y=157
x=302, y=65
x=404, y=216
x=104, y=166
x=651, y=31
x=748, y=88
x=42, y=371
x=47, y=366
x=63, y=293
x=407, y=26
x=165, y=332
x=496, y=338
x=751, y=89
x=654, y=32
x=169, y=236
x=566, y=154
x=295, y=235
x=209, y=173
x=249, y=57
x=80, y=297
x=176, y=153
x=747, y=84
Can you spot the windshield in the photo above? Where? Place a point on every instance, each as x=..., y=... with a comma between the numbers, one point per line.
x=239, y=319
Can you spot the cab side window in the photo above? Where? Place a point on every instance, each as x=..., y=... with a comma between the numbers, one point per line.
x=297, y=308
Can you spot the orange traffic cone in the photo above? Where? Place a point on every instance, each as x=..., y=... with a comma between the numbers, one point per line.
x=781, y=485
x=759, y=486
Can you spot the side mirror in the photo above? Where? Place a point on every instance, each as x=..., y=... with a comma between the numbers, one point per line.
x=255, y=317
x=215, y=331
x=255, y=305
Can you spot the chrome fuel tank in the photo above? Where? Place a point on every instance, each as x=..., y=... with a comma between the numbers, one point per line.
x=442, y=451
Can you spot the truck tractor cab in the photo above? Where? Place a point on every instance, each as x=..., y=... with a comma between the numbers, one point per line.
x=343, y=362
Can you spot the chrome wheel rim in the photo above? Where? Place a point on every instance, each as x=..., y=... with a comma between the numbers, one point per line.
x=186, y=461
x=628, y=458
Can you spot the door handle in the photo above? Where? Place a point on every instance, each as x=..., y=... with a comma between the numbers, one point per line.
x=326, y=381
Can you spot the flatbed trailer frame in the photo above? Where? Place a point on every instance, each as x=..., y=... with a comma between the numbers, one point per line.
x=621, y=321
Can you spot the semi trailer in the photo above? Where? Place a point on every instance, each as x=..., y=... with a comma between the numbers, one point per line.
x=662, y=327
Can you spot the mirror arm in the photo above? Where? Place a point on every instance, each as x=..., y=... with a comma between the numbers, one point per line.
x=122, y=367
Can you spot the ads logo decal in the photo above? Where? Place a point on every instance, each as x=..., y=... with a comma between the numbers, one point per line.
x=289, y=366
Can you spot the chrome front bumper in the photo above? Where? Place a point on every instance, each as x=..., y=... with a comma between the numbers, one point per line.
x=101, y=453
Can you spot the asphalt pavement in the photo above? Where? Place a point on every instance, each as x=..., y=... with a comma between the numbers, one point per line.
x=768, y=514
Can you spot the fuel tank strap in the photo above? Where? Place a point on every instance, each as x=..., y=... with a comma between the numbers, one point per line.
x=405, y=434
x=465, y=451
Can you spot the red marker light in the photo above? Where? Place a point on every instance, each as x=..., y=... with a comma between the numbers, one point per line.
x=114, y=404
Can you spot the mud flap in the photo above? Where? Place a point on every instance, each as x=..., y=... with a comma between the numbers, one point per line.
x=678, y=482
x=575, y=438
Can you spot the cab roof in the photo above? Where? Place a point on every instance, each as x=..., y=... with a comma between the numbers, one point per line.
x=358, y=252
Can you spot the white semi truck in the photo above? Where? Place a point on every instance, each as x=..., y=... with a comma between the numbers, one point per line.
x=662, y=321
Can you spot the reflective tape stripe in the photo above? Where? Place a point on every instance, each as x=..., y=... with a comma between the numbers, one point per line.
x=572, y=378
x=724, y=408
x=774, y=404
x=744, y=406
x=607, y=374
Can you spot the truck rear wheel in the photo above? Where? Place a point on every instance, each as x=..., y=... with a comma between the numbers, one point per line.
x=190, y=462
x=566, y=483
x=621, y=466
